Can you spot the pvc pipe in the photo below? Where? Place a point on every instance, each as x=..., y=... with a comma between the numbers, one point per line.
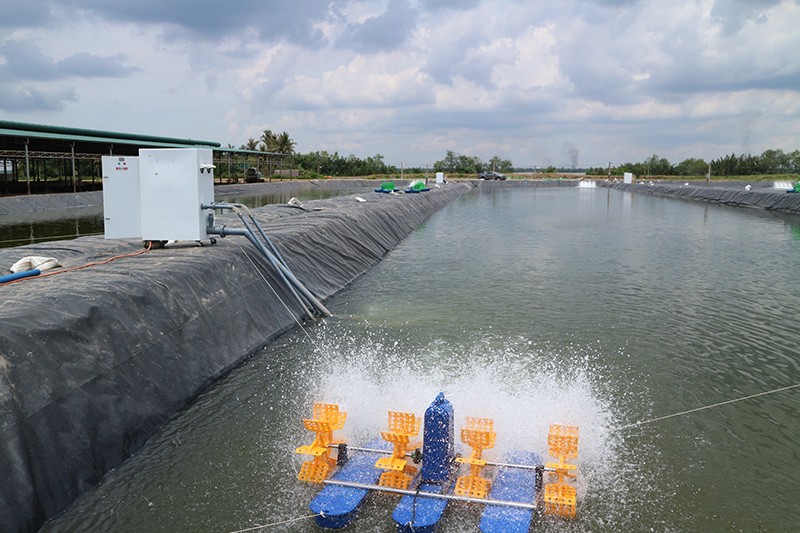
x=289, y=278
x=275, y=265
x=20, y=275
x=286, y=272
x=365, y=486
x=238, y=208
x=223, y=231
x=266, y=239
x=277, y=262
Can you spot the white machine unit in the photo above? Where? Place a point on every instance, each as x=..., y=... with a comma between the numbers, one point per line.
x=173, y=184
x=122, y=217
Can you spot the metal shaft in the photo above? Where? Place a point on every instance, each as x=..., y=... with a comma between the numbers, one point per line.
x=488, y=463
x=454, y=497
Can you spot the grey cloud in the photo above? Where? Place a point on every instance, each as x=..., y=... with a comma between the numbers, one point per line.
x=27, y=99
x=699, y=79
x=616, y=3
x=601, y=11
x=507, y=116
x=460, y=5
x=461, y=60
x=733, y=14
x=384, y=32
x=208, y=21
x=87, y=65
x=24, y=13
x=598, y=73
x=24, y=60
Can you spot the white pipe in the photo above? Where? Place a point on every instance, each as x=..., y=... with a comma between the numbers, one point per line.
x=504, y=503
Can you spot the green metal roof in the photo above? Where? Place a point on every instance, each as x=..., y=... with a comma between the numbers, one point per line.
x=252, y=152
x=48, y=139
x=41, y=131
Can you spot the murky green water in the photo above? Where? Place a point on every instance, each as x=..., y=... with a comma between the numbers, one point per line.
x=19, y=230
x=584, y=306
x=66, y=224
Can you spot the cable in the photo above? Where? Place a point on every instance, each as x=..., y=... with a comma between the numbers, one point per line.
x=87, y=265
x=297, y=321
x=273, y=524
x=642, y=422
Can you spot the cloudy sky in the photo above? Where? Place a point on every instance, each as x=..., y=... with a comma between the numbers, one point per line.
x=559, y=82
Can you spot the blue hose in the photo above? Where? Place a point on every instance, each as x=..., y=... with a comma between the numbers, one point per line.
x=19, y=275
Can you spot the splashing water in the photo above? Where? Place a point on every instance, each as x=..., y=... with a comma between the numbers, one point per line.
x=523, y=387
x=587, y=184
x=783, y=185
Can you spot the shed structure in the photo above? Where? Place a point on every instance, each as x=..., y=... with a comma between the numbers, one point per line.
x=36, y=158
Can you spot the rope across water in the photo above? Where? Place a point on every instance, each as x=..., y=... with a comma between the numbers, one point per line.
x=643, y=422
x=636, y=424
x=275, y=524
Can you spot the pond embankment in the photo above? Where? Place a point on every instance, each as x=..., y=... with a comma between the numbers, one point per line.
x=94, y=361
x=760, y=196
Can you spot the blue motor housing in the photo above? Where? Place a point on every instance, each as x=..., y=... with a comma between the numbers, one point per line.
x=438, y=447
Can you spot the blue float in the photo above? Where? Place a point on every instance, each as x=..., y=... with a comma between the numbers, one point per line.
x=515, y=485
x=337, y=505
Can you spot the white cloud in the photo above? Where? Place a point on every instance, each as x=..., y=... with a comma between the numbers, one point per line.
x=615, y=80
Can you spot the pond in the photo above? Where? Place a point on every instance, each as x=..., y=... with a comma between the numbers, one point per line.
x=584, y=306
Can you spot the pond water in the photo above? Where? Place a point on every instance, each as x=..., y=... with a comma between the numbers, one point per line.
x=20, y=230
x=62, y=225
x=582, y=306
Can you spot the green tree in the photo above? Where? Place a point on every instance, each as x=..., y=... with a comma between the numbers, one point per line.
x=775, y=162
x=268, y=141
x=658, y=166
x=283, y=144
x=335, y=165
x=251, y=144
x=794, y=161
x=465, y=164
x=500, y=165
x=637, y=169
x=691, y=167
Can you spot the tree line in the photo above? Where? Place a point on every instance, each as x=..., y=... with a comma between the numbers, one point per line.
x=324, y=163
x=769, y=162
x=278, y=143
x=333, y=164
x=456, y=163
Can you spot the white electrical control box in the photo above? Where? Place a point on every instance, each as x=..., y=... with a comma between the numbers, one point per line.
x=121, y=200
x=174, y=183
